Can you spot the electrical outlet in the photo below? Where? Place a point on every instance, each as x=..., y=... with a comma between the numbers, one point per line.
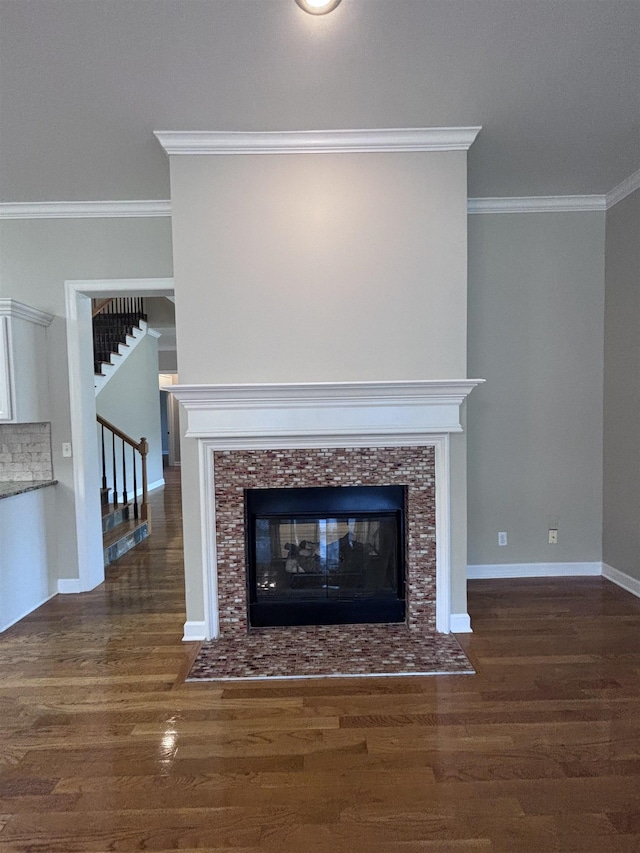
x=502, y=538
x=66, y=448
x=553, y=536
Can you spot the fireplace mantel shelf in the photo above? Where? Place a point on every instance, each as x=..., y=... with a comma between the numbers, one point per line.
x=266, y=414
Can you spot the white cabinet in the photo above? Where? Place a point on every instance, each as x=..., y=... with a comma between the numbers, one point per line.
x=24, y=385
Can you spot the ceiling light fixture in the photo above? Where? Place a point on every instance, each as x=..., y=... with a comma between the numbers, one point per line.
x=318, y=7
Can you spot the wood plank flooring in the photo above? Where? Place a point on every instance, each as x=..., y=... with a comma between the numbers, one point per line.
x=104, y=748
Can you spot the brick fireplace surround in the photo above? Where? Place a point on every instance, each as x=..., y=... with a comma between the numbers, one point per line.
x=412, y=467
x=323, y=434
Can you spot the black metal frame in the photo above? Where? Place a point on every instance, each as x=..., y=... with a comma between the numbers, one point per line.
x=334, y=502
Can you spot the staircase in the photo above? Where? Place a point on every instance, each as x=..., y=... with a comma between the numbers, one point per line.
x=120, y=532
x=118, y=324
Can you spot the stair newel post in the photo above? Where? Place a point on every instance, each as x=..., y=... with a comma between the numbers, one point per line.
x=143, y=447
x=135, y=484
x=124, y=476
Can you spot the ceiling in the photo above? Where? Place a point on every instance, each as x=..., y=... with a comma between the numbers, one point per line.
x=555, y=85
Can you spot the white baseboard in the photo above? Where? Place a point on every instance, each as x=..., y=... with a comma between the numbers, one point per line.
x=194, y=632
x=621, y=579
x=460, y=623
x=533, y=570
x=67, y=586
x=157, y=484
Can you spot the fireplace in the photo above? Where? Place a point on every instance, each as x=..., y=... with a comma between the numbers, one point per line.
x=320, y=436
x=325, y=555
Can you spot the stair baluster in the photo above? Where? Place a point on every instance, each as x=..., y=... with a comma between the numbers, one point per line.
x=135, y=484
x=115, y=473
x=104, y=464
x=141, y=510
x=113, y=320
x=124, y=477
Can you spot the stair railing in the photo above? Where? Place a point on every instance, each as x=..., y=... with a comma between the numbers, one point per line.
x=109, y=455
x=113, y=320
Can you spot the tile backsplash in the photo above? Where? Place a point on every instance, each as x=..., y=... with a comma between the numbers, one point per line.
x=25, y=452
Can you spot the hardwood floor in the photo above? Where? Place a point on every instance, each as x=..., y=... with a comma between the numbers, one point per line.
x=104, y=748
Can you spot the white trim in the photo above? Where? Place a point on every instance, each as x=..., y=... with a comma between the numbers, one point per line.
x=162, y=207
x=103, y=287
x=84, y=209
x=533, y=570
x=621, y=579
x=440, y=443
x=86, y=479
x=460, y=623
x=208, y=539
x=68, y=586
x=157, y=484
x=538, y=204
x=194, y=632
x=20, y=311
x=318, y=141
x=623, y=189
x=246, y=143
x=334, y=413
x=26, y=613
x=442, y=460
x=154, y=333
x=6, y=372
x=173, y=412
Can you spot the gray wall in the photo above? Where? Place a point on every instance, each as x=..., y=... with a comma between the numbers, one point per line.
x=323, y=267
x=535, y=427
x=130, y=401
x=536, y=320
x=621, y=524
x=36, y=257
x=326, y=267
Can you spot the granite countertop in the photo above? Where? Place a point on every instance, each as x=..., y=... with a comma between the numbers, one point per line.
x=8, y=488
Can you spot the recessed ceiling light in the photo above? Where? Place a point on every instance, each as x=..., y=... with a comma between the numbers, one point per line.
x=318, y=7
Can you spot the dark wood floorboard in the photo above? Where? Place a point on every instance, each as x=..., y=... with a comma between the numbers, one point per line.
x=103, y=747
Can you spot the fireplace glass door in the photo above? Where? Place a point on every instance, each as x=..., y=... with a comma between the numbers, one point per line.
x=325, y=556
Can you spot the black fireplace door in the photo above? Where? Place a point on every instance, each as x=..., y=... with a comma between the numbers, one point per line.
x=325, y=556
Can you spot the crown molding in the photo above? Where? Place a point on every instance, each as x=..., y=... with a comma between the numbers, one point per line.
x=538, y=204
x=623, y=189
x=318, y=141
x=84, y=209
x=20, y=311
x=162, y=207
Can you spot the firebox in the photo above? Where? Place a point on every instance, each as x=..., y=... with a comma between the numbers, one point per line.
x=325, y=556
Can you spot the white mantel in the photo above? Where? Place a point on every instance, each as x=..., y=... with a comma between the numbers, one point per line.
x=270, y=415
